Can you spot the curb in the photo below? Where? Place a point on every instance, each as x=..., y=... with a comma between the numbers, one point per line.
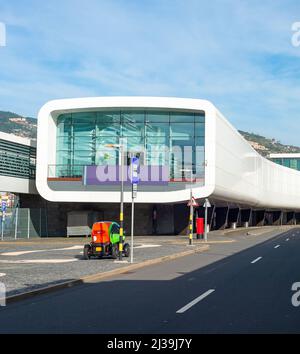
x=98, y=276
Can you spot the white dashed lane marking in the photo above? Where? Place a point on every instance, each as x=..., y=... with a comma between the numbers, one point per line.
x=256, y=260
x=277, y=246
x=195, y=301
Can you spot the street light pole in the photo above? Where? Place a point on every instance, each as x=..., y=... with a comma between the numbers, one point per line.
x=191, y=216
x=121, y=150
x=205, y=224
x=191, y=212
x=132, y=210
x=121, y=203
x=206, y=206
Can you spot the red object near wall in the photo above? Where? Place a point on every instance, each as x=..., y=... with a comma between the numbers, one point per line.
x=200, y=226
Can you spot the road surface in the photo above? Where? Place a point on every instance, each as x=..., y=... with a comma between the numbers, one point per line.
x=212, y=292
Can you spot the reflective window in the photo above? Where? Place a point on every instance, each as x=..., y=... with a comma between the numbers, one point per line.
x=293, y=164
x=286, y=162
x=107, y=128
x=87, y=118
x=184, y=131
x=172, y=138
x=178, y=117
x=157, y=129
x=133, y=123
x=157, y=117
x=200, y=129
x=83, y=143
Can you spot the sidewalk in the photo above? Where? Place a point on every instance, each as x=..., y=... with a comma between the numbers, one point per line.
x=213, y=236
x=40, y=263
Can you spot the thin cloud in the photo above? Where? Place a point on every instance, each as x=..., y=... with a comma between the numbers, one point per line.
x=236, y=54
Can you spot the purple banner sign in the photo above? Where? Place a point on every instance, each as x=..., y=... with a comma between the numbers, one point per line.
x=148, y=175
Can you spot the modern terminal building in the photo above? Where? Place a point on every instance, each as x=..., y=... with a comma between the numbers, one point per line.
x=291, y=160
x=17, y=164
x=82, y=143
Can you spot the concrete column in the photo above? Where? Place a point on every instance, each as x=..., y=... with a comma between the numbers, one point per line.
x=291, y=218
x=297, y=218
x=245, y=216
x=258, y=217
x=233, y=216
x=221, y=218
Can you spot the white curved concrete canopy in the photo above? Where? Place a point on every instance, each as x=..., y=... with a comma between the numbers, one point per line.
x=234, y=171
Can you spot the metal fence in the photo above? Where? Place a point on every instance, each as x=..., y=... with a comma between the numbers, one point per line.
x=24, y=223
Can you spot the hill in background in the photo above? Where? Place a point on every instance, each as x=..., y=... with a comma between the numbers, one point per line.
x=26, y=127
x=266, y=146
x=13, y=123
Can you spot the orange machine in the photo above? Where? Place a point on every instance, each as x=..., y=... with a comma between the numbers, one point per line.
x=105, y=241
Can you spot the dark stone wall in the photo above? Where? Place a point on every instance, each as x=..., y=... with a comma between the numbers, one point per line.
x=181, y=218
x=57, y=215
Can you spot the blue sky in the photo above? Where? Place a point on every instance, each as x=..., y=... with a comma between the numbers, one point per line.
x=236, y=53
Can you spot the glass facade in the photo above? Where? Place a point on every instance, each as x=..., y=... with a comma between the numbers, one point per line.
x=291, y=162
x=168, y=138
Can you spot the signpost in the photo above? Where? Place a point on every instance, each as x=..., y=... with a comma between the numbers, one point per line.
x=134, y=182
x=206, y=205
x=3, y=209
x=121, y=149
x=192, y=203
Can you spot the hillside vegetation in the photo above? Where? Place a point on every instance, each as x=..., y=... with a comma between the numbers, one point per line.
x=13, y=123
x=266, y=146
x=26, y=127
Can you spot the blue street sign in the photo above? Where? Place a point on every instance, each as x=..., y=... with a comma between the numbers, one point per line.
x=135, y=164
x=3, y=206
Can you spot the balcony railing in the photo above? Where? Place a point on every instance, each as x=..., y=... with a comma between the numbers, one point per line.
x=76, y=172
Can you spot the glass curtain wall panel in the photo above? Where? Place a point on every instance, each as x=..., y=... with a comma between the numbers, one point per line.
x=158, y=137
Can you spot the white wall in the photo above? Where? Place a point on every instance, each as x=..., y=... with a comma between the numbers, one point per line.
x=46, y=146
x=243, y=176
x=235, y=172
x=17, y=185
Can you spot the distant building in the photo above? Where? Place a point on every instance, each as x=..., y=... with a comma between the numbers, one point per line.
x=258, y=146
x=18, y=119
x=287, y=159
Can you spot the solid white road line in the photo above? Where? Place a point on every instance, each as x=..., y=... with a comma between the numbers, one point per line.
x=194, y=302
x=39, y=261
x=146, y=246
x=277, y=246
x=256, y=260
x=20, y=253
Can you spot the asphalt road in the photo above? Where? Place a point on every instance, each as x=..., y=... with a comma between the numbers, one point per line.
x=247, y=292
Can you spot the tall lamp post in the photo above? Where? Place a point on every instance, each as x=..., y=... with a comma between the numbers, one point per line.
x=121, y=149
x=191, y=218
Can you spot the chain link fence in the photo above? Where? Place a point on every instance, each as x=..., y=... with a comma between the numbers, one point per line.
x=24, y=223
